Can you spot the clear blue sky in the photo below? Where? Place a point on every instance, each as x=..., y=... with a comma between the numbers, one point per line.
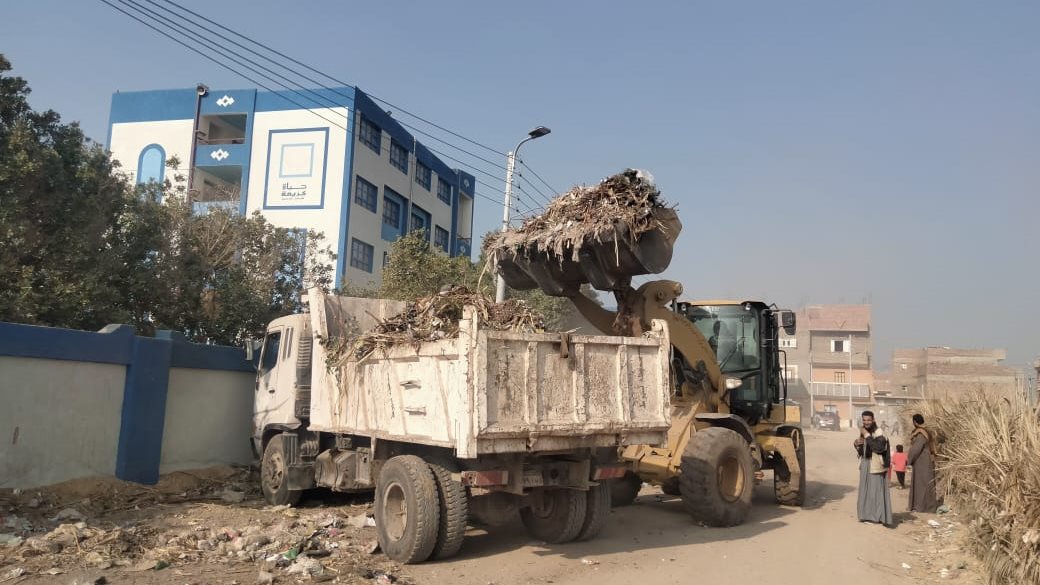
x=819, y=151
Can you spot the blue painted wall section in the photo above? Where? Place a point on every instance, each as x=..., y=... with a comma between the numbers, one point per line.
x=148, y=361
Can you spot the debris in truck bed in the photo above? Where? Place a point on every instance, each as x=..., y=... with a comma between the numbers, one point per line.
x=620, y=204
x=436, y=317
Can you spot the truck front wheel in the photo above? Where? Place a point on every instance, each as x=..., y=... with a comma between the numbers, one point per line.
x=274, y=475
x=554, y=515
x=407, y=509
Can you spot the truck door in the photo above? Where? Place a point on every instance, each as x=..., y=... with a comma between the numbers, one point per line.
x=273, y=396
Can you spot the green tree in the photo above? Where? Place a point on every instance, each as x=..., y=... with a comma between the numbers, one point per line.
x=83, y=248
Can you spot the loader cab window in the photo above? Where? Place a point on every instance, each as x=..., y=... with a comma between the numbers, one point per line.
x=269, y=357
x=734, y=335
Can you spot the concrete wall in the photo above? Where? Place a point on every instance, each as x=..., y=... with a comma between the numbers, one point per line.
x=78, y=404
x=209, y=415
x=60, y=419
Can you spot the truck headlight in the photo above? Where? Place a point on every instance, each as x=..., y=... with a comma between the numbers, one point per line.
x=733, y=383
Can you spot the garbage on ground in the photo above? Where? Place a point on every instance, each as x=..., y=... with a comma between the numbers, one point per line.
x=934, y=524
x=589, y=562
x=943, y=509
x=68, y=514
x=906, y=566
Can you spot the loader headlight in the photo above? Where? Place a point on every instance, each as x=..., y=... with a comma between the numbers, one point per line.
x=733, y=383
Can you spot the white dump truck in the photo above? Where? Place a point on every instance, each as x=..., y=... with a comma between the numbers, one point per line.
x=490, y=422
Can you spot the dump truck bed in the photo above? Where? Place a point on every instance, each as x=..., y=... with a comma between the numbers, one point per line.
x=495, y=391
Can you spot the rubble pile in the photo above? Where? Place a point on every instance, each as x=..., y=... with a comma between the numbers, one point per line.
x=988, y=469
x=437, y=317
x=620, y=206
x=188, y=536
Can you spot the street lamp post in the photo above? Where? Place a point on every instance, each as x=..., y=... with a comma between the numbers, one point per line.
x=500, y=288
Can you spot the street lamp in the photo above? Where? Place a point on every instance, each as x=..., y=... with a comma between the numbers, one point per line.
x=500, y=288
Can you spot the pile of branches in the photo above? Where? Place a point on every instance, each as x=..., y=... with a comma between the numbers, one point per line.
x=437, y=317
x=621, y=205
x=988, y=466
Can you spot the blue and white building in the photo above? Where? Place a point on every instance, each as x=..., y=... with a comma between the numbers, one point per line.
x=345, y=168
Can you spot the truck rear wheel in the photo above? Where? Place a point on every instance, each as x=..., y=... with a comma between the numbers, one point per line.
x=274, y=475
x=716, y=477
x=554, y=515
x=454, y=513
x=623, y=491
x=597, y=509
x=787, y=492
x=407, y=512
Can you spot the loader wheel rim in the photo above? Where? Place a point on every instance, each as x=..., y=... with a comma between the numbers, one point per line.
x=275, y=472
x=395, y=511
x=731, y=478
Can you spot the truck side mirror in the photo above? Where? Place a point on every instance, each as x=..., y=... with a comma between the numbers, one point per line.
x=787, y=322
x=251, y=347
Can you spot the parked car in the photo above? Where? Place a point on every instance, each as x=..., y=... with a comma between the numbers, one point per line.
x=828, y=420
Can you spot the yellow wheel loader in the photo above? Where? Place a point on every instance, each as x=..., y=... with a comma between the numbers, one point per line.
x=729, y=413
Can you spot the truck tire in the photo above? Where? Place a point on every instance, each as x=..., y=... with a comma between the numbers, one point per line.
x=555, y=515
x=407, y=513
x=671, y=487
x=454, y=513
x=790, y=493
x=274, y=475
x=597, y=509
x=716, y=477
x=623, y=491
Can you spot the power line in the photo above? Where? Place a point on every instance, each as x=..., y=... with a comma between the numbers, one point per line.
x=333, y=79
x=537, y=176
x=545, y=199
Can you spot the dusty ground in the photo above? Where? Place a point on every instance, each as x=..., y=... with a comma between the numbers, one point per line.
x=191, y=529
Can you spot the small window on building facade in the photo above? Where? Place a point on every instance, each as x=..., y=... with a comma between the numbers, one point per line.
x=391, y=212
x=440, y=238
x=398, y=156
x=370, y=135
x=840, y=345
x=419, y=224
x=422, y=175
x=366, y=194
x=444, y=190
x=386, y=258
x=839, y=377
x=789, y=342
x=361, y=255
x=151, y=165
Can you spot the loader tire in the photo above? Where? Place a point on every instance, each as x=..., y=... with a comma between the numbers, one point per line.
x=787, y=492
x=597, y=509
x=716, y=477
x=623, y=491
x=274, y=475
x=454, y=513
x=555, y=515
x=671, y=487
x=407, y=511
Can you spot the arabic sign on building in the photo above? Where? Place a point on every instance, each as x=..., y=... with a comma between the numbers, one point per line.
x=296, y=162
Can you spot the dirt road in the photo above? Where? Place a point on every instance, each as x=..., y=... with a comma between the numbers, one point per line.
x=654, y=542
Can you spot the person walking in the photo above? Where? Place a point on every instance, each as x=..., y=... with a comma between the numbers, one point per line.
x=922, y=460
x=874, y=503
x=899, y=466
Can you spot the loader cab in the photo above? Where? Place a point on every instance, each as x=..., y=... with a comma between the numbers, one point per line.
x=744, y=336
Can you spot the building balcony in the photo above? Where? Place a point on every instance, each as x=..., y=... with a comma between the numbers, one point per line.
x=839, y=390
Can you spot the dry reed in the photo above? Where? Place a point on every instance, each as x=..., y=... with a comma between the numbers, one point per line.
x=988, y=466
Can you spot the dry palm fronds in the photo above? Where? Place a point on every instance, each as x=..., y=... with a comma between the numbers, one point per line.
x=622, y=203
x=437, y=317
x=988, y=464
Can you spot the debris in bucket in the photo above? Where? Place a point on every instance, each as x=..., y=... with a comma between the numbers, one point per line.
x=436, y=317
x=621, y=204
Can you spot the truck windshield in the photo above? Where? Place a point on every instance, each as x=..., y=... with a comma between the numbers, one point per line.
x=732, y=333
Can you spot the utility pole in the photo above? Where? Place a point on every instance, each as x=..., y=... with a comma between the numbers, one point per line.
x=500, y=285
x=852, y=424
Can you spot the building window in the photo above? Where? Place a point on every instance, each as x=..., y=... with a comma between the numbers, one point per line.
x=391, y=212
x=398, y=156
x=361, y=255
x=789, y=342
x=791, y=373
x=444, y=190
x=840, y=346
x=386, y=258
x=366, y=194
x=418, y=223
x=370, y=135
x=839, y=377
x=422, y=175
x=902, y=366
x=440, y=238
x=151, y=165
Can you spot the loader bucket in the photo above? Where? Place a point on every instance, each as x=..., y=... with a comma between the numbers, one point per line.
x=607, y=262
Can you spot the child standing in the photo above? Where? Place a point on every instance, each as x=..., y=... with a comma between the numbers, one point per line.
x=899, y=466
